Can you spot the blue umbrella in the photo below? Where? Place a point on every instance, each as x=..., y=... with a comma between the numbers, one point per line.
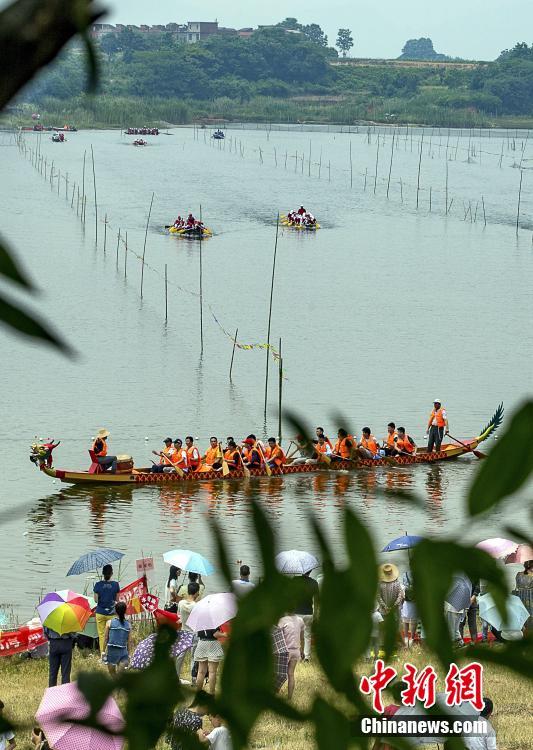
x=402, y=542
x=93, y=560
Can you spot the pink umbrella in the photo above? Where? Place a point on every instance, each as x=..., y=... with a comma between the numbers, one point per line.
x=65, y=703
x=522, y=554
x=211, y=611
x=497, y=547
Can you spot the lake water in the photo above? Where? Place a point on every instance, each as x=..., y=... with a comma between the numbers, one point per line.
x=382, y=310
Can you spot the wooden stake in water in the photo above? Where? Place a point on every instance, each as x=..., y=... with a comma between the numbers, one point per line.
x=280, y=390
x=446, y=188
x=484, y=215
x=105, y=232
x=201, y=294
x=376, y=171
x=126, y=256
x=419, y=165
x=390, y=165
x=58, y=181
x=519, y=197
x=73, y=191
x=309, y=174
x=145, y=239
x=270, y=311
x=233, y=352
x=83, y=176
x=118, y=244
x=95, y=200
x=166, y=294
x=351, y=167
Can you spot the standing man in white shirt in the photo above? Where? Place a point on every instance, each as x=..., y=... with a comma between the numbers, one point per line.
x=242, y=585
x=437, y=426
x=485, y=741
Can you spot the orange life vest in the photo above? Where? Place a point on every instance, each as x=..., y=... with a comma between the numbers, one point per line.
x=322, y=448
x=343, y=450
x=233, y=458
x=405, y=445
x=391, y=439
x=277, y=455
x=212, y=455
x=370, y=444
x=438, y=416
x=179, y=458
x=103, y=448
x=193, y=457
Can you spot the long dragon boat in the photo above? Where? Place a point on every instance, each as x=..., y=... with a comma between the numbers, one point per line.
x=126, y=473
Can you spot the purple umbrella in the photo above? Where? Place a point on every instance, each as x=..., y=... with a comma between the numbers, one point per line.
x=144, y=653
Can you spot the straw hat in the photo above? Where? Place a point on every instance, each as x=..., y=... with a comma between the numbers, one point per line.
x=388, y=572
x=102, y=433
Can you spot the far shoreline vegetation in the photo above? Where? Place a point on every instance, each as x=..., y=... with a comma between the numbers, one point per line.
x=273, y=76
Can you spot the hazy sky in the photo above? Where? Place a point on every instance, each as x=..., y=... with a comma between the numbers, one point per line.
x=464, y=28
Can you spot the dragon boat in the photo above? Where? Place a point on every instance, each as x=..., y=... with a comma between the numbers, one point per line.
x=127, y=473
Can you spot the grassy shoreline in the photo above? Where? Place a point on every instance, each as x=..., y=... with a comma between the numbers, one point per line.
x=24, y=681
x=104, y=112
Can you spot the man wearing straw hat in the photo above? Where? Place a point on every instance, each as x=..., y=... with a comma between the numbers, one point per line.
x=100, y=452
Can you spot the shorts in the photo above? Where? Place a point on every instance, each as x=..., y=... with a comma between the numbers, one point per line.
x=208, y=651
x=117, y=655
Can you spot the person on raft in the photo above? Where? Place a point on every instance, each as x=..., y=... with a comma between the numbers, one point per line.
x=389, y=442
x=178, y=459
x=368, y=446
x=250, y=453
x=342, y=450
x=179, y=223
x=100, y=452
x=437, y=426
x=212, y=458
x=232, y=455
x=274, y=454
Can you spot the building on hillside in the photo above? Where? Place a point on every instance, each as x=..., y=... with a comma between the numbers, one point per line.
x=190, y=33
x=245, y=33
x=98, y=30
x=199, y=30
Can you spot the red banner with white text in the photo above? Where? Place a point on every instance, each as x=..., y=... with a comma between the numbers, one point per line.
x=132, y=593
x=24, y=638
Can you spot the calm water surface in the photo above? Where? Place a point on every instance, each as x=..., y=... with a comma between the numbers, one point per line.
x=381, y=311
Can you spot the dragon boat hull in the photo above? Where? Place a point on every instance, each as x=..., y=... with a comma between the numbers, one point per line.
x=145, y=476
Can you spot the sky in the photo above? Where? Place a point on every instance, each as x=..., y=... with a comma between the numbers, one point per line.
x=474, y=29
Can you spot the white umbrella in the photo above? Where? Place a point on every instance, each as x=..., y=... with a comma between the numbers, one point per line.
x=192, y=562
x=211, y=611
x=295, y=562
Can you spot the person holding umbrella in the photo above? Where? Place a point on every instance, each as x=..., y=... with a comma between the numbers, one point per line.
x=60, y=649
x=105, y=596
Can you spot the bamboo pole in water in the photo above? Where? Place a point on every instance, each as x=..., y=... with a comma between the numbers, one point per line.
x=201, y=293
x=95, y=200
x=419, y=165
x=484, y=215
x=83, y=178
x=309, y=174
x=351, y=166
x=118, y=244
x=280, y=390
x=446, y=188
x=270, y=311
x=390, y=165
x=519, y=198
x=73, y=191
x=145, y=239
x=166, y=294
x=376, y=171
x=233, y=352
x=58, y=181
x=126, y=256
x=105, y=232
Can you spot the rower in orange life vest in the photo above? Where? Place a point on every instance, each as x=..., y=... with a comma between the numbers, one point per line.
x=232, y=455
x=404, y=443
x=368, y=446
x=343, y=447
x=212, y=458
x=437, y=426
x=320, y=433
x=193, y=455
x=274, y=454
x=178, y=458
x=250, y=453
x=389, y=442
x=165, y=456
x=100, y=451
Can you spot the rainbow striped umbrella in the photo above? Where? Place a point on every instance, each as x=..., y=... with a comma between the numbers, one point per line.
x=65, y=611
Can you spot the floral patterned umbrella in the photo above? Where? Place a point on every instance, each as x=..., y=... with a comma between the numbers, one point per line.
x=144, y=653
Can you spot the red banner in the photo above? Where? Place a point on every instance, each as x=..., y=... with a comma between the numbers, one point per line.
x=23, y=639
x=132, y=593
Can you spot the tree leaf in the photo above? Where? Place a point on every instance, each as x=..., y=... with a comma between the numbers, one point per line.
x=508, y=466
x=434, y=564
x=515, y=655
x=17, y=318
x=343, y=633
x=10, y=269
x=222, y=554
x=332, y=728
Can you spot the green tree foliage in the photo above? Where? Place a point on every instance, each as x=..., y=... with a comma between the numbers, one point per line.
x=521, y=51
x=344, y=41
x=315, y=34
x=420, y=49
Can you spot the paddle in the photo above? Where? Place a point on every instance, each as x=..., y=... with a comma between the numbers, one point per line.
x=477, y=454
x=225, y=467
x=245, y=469
x=267, y=467
x=174, y=466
